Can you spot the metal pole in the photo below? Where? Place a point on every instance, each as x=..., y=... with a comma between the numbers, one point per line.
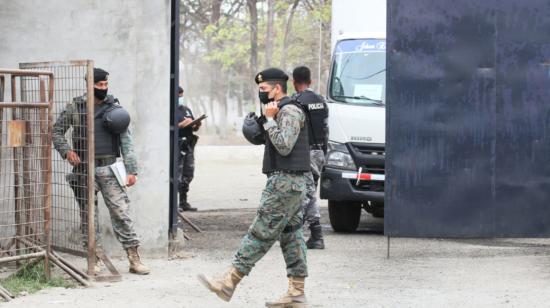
x=69, y=265
x=174, y=83
x=23, y=105
x=48, y=207
x=2, y=84
x=388, y=252
x=90, y=159
x=46, y=133
x=17, y=191
x=25, y=73
x=23, y=257
x=69, y=271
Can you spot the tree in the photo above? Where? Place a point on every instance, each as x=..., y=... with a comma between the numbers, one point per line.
x=269, y=32
x=288, y=28
x=224, y=41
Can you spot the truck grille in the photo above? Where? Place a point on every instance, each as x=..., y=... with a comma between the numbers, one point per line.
x=370, y=157
x=372, y=169
x=368, y=149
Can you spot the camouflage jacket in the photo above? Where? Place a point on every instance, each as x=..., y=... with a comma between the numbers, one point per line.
x=283, y=131
x=74, y=115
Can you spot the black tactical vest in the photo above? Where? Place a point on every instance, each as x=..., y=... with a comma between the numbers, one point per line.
x=317, y=110
x=106, y=143
x=183, y=112
x=297, y=160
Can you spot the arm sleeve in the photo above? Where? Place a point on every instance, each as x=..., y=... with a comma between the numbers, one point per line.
x=64, y=121
x=128, y=154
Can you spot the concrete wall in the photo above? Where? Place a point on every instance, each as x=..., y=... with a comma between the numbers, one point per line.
x=131, y=40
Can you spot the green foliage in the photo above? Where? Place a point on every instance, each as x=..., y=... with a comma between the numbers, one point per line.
x=231, y=38
x=31, y=279
x=217, y=53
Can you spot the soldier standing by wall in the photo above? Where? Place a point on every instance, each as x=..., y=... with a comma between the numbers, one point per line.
x=186, y=157
x=317, y=108
x=279, y=217
x=112, y=138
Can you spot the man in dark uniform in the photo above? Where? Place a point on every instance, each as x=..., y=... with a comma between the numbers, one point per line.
x=186, y=157
x=279, y=217
x=317, y=109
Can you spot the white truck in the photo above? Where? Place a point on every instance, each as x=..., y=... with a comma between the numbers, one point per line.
x=353, y=177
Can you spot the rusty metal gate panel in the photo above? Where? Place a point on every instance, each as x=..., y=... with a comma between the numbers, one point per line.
x=72, y=187
x=468, y=139
x=25, y=167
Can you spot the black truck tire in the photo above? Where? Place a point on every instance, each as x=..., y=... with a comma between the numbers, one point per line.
x=344, y=216
x=377, y=209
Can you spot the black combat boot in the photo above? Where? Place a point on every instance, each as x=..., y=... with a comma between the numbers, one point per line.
x=184, y=205
x=315, y=241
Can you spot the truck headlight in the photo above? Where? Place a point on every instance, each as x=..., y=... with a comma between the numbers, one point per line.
x=338, y=156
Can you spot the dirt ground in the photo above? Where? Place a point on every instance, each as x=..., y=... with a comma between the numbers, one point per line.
x=353, y=271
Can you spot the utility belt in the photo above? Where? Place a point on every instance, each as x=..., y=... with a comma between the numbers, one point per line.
x=105, y=161
x=187, y=142
x=292, y=172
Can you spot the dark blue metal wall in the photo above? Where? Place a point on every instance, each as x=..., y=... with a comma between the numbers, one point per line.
x=468, y=136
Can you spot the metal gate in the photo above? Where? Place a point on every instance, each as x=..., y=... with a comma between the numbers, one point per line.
x=26, y=172
x=25, y=169
x=72, y=187
x=468, y=139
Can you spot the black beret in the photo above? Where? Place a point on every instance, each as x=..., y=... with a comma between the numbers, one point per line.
x=100, y=75
x=271, y=74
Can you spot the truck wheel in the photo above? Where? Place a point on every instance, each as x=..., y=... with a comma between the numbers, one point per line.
x=378, y=213
x=344, y=216
x=377, y=209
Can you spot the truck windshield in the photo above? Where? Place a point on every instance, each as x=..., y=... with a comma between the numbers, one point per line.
x=358, y=74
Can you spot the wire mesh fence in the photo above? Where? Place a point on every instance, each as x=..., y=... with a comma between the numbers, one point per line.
x=25, y=166
x=72, y=187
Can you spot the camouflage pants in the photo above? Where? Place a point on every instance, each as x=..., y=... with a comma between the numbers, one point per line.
x=280, y=208
x=77, y=182
x=117, y=202
x=310, y=203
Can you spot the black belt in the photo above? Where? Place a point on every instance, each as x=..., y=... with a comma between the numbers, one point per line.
x=105, y=161
x=293, y=172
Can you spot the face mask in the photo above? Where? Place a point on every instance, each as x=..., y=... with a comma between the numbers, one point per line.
x=264, y=97
x=100, y=94
x=181, y=102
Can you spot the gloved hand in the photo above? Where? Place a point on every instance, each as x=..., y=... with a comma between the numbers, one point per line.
x=261, y=120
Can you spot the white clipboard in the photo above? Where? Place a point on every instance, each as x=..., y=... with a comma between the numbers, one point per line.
x=119, y=170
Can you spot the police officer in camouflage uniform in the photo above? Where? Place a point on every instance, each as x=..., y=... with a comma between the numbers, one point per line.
x=279, y=217
x=317, y=109
x=110, y=141
x=186, y=144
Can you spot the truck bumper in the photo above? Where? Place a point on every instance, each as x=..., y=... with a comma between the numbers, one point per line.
x=336, y=187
